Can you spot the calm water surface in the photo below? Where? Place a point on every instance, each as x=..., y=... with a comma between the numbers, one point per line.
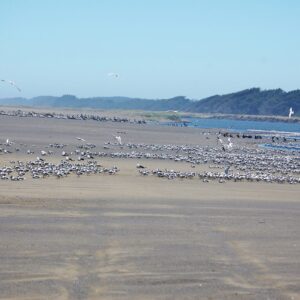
x=239, y=125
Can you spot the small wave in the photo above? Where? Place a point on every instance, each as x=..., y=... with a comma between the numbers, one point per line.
x=275, y=132
x=281, y=147
x=266, y=127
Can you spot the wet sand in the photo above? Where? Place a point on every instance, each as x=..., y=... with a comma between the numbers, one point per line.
x=132, y=237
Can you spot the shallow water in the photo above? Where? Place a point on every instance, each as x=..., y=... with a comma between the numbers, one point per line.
x=240, y=125
x=294, y=147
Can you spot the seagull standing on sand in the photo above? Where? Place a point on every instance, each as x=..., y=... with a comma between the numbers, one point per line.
x=291, y=112
x=8, y=142
x=226, y=171
x=11, y=83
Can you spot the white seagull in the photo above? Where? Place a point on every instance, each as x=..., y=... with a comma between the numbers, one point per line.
x=119, y=140
x=229, y=146
x=291, y=112
x=114, y=75
x=11, y=83
x=8, y=142
x=224, y=146
x=80, y=139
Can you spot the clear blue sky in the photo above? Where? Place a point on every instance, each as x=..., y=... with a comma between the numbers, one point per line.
x=160, y=48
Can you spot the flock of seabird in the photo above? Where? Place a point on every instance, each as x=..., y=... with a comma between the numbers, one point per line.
x=221, y=176
x=236, y=161
x=39, y=168
x=80, y=117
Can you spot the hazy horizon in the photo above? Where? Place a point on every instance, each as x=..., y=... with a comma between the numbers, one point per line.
x=160, y=49
x=144, y=98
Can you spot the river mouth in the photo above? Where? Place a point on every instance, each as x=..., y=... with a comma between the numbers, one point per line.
x=268, y=127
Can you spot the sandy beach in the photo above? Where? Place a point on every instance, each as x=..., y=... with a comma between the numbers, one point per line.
x=128, y=236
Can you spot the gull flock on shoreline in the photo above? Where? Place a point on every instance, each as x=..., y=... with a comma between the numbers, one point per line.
x=238, y=163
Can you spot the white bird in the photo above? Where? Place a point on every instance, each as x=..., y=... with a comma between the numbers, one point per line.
x=291, y=112
x=115, y=75
x=80, y=139
x=119, y=140
x=11, y=83
x=229, y=146
x=225, y=146
x=8, y=142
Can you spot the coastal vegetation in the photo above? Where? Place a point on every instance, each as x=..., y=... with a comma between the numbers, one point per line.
x=252, y=101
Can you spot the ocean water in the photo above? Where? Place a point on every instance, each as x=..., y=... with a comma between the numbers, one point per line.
x=241, y=125
x=291, y=147
x=291, y=131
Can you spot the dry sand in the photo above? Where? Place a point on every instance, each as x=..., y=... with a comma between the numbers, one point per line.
x=133, y=237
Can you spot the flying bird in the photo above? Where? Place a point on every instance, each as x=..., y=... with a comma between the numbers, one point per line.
x=12, y=83
x=80, y=139
x=119, y=140
x=225, y=146
x=139, y=166
x=291, y=112
x=229, y=146
x=114, y=75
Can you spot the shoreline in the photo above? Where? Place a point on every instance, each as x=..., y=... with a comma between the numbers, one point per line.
x=162, y=116
x=130, y=236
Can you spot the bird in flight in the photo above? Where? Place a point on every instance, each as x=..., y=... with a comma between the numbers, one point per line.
x=291, y=112
x=114, y=75
x=80, y=139
x=119, y=139
x=225, y=146
x=12, y=83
